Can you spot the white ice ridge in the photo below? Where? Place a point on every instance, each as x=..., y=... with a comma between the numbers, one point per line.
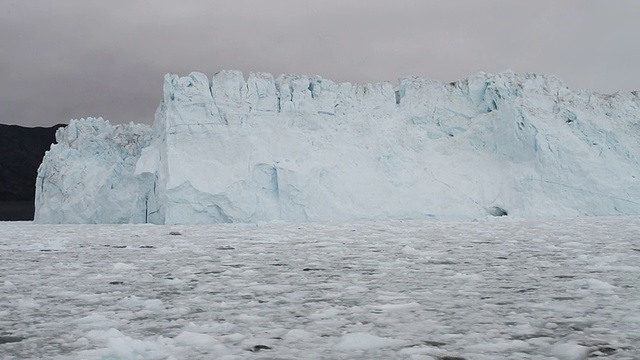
x=295, y=148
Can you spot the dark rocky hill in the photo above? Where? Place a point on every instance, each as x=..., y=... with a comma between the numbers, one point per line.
x=21, y=152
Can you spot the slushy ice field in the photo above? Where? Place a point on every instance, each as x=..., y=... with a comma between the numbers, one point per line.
x=489, y=289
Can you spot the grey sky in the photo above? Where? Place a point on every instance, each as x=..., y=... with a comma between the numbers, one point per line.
x=63, y=59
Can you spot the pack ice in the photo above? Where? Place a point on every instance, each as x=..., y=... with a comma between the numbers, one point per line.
x=295, y=148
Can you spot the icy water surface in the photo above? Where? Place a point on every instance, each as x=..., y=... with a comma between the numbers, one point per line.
x=529, y=289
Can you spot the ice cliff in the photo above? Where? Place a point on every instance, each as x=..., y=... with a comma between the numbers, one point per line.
x=230, y=149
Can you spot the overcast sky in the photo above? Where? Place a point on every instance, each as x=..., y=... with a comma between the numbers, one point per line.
x=63, y=59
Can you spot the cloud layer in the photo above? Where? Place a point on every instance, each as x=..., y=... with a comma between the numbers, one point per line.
x=70, y=59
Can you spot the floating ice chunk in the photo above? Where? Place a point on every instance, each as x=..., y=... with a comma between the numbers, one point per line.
x=127, y=348
x=298, y=335
x=569, y=351
x=132, y=302
x=364, y=341
x=234, y=338
x=470, y=277
x=197, y=340
x=123, y=267
x=499, y=346
x=269, y=288
x=53, y=244
x=95, y=321
x=119, y=346
x=82, y=342
x=591, y=284
x=250, y=319
x=324, y=314
x=153, y=305
x=398, y=307
x=422, y=353
x=228, y=357
x=408, y=250
x=103, y=335
x=28, y=303
x=90, y=298
x=421, y=357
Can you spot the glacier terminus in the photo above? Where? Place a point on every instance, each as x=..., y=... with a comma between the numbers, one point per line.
x=293, y=148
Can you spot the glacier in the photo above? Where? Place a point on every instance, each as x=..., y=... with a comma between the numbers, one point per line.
x=296, y=148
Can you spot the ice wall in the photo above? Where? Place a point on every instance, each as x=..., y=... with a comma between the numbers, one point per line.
x=294, y=148
x=88, y=175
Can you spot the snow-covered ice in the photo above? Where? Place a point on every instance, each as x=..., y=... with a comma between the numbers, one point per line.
x=296, y=149
x=561, y=289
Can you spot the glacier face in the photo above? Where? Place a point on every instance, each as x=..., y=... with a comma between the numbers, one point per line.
x=294, y=148
x=88, y=175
